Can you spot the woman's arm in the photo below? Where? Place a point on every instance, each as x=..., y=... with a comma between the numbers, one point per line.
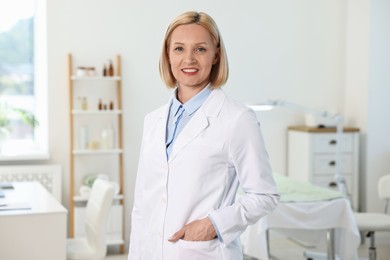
x=250, y=159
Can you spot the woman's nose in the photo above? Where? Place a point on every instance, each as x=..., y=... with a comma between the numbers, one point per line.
x=189, y=58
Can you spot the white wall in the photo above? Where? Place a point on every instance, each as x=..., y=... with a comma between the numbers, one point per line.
x=356, y=76
x=378, y=125
x=368, y=90
x=293, y=50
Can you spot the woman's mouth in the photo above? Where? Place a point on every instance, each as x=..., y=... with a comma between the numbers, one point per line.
x=190, y=70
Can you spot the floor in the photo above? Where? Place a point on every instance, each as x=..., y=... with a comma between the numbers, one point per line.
x=285, y=249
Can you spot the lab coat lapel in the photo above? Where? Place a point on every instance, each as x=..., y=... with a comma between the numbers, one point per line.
x=199, y=122
x=161, y=126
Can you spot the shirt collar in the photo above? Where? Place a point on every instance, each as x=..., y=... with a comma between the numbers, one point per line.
x=194, y=103
x=175, y=104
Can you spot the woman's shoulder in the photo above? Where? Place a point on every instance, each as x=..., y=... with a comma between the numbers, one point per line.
x=232, y=105
x=156, y=113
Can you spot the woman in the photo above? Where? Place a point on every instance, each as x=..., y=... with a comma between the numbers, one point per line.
x=196, y=150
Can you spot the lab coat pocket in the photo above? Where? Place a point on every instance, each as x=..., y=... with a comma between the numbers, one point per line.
x=199, y=250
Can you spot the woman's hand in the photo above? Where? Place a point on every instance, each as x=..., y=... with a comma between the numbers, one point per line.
x=198, y=230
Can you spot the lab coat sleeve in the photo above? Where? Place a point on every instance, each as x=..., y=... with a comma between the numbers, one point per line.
x=136, y=216
x=250, y=159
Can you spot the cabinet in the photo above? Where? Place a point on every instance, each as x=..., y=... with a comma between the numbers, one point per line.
x=311, y=157
x=95, y=103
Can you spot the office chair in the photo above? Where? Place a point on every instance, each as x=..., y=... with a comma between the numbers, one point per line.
x=93, y=245
x=369, y=222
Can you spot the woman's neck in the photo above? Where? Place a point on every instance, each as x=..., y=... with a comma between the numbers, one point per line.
x=186, y=93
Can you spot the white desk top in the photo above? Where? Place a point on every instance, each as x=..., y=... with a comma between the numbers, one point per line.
x=28, y=198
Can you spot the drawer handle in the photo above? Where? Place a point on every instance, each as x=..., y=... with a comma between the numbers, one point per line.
x=332, y=142
x=332, y=163
x=332, y=184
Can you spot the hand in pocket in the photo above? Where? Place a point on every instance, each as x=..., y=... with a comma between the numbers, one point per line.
x=198, y=230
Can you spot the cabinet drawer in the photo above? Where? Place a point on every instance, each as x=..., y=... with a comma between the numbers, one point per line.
x=330, y=183
x=326, y=143
x=325, y=163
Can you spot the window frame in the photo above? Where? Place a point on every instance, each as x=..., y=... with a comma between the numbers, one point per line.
x=40, y=90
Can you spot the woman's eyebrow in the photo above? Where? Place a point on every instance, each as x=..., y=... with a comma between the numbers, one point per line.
x=199, y=43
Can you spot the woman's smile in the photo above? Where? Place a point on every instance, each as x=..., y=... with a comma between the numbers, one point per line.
x=190, y=71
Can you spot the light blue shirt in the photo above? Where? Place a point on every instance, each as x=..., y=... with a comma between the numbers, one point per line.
x=179, y=115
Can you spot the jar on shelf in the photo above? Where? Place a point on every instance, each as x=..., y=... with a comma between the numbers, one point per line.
x=107, y=138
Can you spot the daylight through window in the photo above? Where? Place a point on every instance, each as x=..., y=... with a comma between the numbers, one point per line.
x=21, y=122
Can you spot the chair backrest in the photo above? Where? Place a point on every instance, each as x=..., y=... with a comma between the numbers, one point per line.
x=384, y=189
x=97, y=212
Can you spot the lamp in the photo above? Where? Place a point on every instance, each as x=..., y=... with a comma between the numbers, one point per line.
x=337, y=118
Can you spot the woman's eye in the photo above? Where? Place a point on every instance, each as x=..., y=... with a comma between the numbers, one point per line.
x=178, y=49
x=200, y=49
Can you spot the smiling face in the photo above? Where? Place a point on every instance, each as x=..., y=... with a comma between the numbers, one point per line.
x=192, y=54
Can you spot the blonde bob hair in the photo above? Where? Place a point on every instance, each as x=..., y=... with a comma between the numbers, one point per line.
x=220, y=70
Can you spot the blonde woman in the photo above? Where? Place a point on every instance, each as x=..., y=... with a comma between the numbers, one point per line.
x=196, y=150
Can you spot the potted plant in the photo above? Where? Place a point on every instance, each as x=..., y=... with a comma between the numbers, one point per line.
x=6, y=116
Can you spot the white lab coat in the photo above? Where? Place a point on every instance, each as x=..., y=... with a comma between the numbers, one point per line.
x=219, y=149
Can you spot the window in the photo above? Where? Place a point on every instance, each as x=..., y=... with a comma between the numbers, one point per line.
x=23, y=109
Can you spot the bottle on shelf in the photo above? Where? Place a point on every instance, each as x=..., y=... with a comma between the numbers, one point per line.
x=104, y=70
x=100, y=104
x=83, y=142
x=107, y=138
x=110, y=137
x=110, y=68
x=84, y=103
x=104, y=139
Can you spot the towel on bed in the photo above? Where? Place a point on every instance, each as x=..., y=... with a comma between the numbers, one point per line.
x=292, y=190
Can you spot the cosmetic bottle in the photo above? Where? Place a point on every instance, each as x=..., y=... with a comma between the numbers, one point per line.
x=107, y=138
x=104, y=70
x=100, y=104
x=104, y=139
x=84, y=103
x=83, y=142
x=110, y=68
x=110, y=137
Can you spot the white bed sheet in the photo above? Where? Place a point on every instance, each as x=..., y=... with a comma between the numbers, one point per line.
x=313, y=216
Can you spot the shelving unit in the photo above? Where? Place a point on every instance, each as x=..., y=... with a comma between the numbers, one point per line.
x=95, y=158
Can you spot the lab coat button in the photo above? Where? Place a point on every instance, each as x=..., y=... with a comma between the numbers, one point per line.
x=164, y=200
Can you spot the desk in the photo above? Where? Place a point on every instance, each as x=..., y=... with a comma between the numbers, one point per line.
x=35, y=231
x=313, y=216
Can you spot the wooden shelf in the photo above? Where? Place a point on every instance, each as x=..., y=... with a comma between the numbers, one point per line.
x=96, y=112
x=97, y=151
x=80, y=159
x=98, y=78
x=81, y=198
